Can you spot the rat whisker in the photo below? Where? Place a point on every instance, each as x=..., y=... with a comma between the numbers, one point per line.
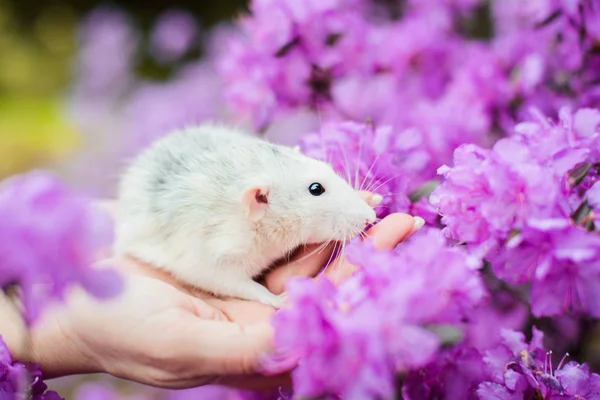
x=358, y=162
x=374, y=176
x=377, y=181
x=340, y=259
x=346, y=163
x=346, y=166
x=327, y=155
x=331, y=257
x=325, y=267
x=385, y=182
x=319, y=249
x=335, y=254
x=319, y=115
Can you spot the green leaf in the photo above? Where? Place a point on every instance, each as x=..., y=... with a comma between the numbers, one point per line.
x=424, y=190
x=448, y=334
x=577, y=174
x=582, y=216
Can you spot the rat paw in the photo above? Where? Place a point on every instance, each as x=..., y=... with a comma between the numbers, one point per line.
x=276, y=300
x=283, y=300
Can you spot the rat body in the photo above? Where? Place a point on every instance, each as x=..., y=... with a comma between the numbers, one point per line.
x=216, y=207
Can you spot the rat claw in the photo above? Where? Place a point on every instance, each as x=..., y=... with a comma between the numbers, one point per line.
x=276, y=300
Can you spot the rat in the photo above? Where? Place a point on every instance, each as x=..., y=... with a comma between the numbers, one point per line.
x=216, y=206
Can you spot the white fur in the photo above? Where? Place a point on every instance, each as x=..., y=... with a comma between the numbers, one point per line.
x=180, y=208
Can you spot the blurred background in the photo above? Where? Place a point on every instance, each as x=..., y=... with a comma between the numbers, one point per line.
x=43, y=69
x=53, y=104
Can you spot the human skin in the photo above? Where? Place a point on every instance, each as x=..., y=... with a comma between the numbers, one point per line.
x=161, y=333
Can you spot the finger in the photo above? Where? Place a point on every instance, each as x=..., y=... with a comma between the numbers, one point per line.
x=393, y=229
x=307, y=263
x=385, y=236
x=242, y=312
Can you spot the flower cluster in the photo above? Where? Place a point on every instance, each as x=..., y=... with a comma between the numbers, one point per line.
x=512, y=369
x=422, y=66
x=349, y=342
x=17, y=377
x=343, y=59
x=525, y=370
x=523, y=205
x=48, y=239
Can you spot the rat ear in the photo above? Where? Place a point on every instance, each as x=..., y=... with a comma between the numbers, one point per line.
x=255, y=200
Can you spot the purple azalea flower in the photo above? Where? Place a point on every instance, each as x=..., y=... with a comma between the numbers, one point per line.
x=17, y=379
x=550, y=44
x=454, y=375
x=347, y=341
x=514, y=204
x=396, y=279
x=501, y=310
x=521, y=370
x=12, y=377
x=48, y=239
x=290, y=51
x=173, y=35
x=108, y=45
x=104, y=76
x=341, y=352
x=306, y=55
x=563, y=265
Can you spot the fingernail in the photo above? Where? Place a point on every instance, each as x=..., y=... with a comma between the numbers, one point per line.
x=376, y=199
x=418, y=224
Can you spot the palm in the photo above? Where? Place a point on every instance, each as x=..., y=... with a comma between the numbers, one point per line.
x=159, y=332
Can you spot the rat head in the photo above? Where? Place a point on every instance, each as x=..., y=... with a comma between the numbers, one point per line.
x=306, y=201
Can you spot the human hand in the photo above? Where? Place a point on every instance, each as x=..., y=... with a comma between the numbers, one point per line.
x=161, y=333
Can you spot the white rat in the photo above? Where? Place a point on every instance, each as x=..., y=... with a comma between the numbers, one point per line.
x=216, y=207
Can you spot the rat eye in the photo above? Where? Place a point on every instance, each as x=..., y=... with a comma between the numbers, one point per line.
x=316, y=189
